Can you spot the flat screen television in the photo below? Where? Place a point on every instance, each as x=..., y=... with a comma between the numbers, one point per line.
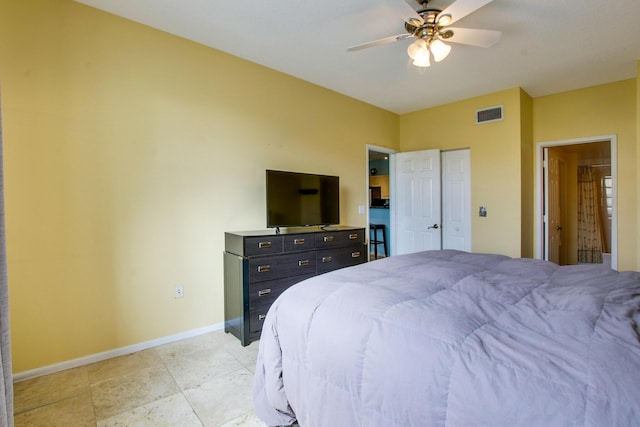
x=301, y=199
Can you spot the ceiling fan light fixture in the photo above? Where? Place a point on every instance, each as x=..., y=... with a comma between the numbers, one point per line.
x=422, y=62
x=418, y=48
x=439, y=50
x=444, y=20
x=419, y=52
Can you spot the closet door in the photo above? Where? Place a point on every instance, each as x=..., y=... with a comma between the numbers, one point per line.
x=416, y=207
x=456, y=200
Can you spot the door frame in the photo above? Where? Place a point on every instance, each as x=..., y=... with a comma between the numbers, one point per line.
x=540, y=194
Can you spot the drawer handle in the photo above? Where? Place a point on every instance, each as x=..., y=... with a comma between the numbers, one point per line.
x=353, y=236
x=298, y=241
x=264, y=268
x=355, y=254
x=303, y=263
x=327, y=259
x=328, y=238
x=263, y=292
x=261, y=316
x=264, y=245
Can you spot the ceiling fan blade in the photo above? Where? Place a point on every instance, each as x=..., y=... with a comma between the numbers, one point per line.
x=462, y=8
x=472, y=37
x=386, y=40
x=405, y=11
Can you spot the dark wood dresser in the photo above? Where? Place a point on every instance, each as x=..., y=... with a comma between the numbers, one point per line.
x=260, y=265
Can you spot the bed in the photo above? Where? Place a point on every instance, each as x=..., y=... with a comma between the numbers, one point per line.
x=449, y=338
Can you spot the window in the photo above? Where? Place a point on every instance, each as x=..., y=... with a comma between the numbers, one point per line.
x=607, y=194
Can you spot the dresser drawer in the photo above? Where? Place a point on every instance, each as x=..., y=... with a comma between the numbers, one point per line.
x=338, y=238
x=264, y=245
x=266, y=292
x=257, y=315
x=276, y=267
x=332, y=259
x=298, y=242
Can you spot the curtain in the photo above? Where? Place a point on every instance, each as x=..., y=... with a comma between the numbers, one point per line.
x=6, y=394
x=589, y=231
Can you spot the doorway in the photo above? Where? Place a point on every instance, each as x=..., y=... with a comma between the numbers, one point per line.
x=379, y=201
x=576, y=201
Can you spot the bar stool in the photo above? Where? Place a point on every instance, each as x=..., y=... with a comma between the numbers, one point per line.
x=373, y=229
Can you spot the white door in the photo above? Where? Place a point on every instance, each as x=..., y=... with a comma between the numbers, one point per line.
x=456, y=200
x=416, y=208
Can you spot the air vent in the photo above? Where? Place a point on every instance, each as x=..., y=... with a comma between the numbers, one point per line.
x=491, y=114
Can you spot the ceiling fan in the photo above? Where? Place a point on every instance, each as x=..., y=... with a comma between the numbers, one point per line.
x=430, y=27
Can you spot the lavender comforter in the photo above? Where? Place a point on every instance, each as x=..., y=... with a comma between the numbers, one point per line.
x=448, y=338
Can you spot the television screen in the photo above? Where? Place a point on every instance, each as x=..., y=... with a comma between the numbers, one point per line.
x=299, y=199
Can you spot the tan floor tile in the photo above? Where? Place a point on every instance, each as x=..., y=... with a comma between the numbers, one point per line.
x=75, y=411
x=197, y=368
x=170, y=411
x=187, y=346
x=224, y=399
x=226, y=338
x=247, y=356
x=122, y=365
x=51, y=388
x=247, y=420
x=143, y=388
x=123, y=393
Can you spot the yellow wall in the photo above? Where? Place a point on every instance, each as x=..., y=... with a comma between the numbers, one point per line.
x=637, y=165
x=495, y=149
x=128, y=153
x=608, y=109
x=527, y=174
x=503, y=156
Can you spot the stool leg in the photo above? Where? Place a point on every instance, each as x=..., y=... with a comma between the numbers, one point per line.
x=384, y=242
x=375, y=244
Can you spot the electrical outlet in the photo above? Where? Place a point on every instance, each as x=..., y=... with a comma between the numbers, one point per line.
x=178, y=291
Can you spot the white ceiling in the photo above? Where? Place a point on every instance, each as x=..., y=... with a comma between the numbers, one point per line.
x=547, y=46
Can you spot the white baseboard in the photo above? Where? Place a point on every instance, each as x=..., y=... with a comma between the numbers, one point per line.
x=98, y=357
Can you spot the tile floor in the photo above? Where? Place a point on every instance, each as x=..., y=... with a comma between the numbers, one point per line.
x=202, y=381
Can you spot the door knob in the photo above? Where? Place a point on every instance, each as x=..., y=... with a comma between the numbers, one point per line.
x=432, y=226
x=558, y=228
